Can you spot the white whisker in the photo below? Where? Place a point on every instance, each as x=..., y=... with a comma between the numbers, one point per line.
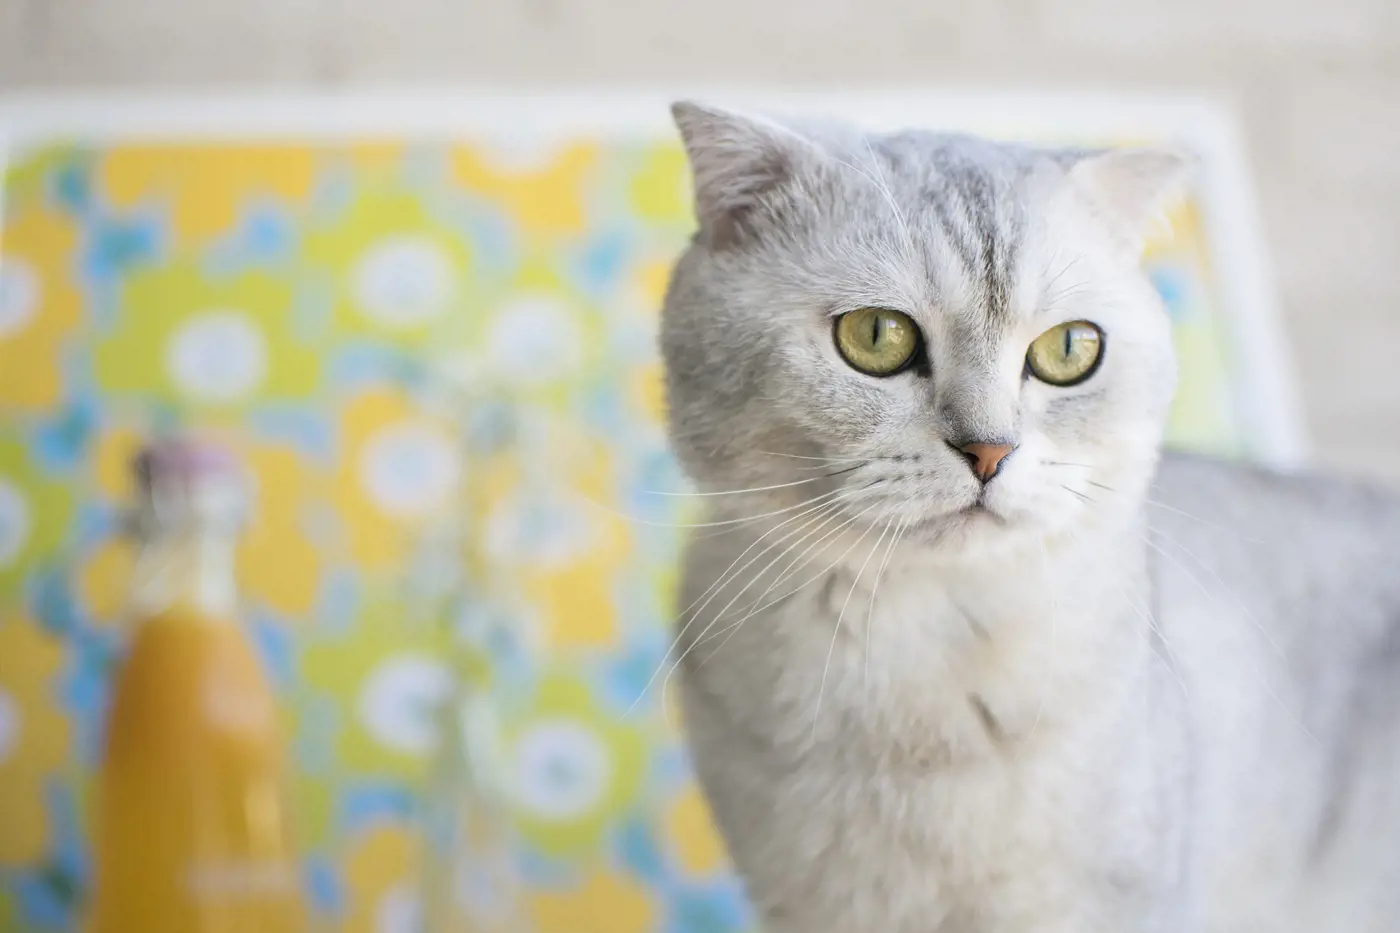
x=772, y=453
x=822, y=511
x=1219, y=582
x=727, y=523
x=870, y=609
x=1260, y=674
x=720, y=614
x=836, y=633
x=756, y=606
x=739, y=492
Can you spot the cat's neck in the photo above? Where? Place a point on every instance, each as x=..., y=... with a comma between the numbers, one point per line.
x=1005, y=650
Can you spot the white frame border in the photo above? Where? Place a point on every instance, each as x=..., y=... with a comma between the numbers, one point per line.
x=1270, y=411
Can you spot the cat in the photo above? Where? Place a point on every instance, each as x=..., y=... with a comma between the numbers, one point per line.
x=964, y=651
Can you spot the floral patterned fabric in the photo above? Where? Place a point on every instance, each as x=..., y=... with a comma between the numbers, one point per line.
x=290, y=295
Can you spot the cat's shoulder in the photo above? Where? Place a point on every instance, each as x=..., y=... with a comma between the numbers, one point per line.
x=1263, y=516
x=1244, y=491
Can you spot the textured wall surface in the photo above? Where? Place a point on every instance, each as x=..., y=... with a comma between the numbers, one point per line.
x=1316, y=83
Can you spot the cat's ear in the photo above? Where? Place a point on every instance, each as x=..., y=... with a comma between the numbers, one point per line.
x=734, y=161
x=1133, y=188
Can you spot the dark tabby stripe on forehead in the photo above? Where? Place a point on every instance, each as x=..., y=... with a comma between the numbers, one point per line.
x=979, y=218
x=988, y=238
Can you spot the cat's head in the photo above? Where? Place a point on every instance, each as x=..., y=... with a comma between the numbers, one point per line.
x=937, y=331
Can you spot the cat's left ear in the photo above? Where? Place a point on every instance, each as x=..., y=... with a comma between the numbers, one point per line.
x=736, y=162
x=1133, y=188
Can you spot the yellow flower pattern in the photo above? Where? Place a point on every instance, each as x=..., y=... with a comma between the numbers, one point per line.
x=40, y=307
x=292, y=296
x=34, y=736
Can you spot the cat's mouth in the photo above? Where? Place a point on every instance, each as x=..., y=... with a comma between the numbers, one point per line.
x=980, y=510
x=969, y=516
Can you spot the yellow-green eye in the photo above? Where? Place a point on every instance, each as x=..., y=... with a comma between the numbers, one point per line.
x=877, y=341
x=1066, y=354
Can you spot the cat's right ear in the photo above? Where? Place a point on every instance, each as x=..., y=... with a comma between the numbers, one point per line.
x=735, y=161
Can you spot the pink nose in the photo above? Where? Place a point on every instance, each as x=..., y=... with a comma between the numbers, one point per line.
x=985, y=459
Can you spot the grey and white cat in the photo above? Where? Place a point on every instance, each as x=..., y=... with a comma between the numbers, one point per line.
x=963, y=652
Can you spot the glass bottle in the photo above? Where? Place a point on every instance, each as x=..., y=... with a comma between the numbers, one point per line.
x=191, y=830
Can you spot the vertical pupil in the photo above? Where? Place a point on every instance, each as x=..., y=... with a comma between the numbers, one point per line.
x=875, y=323
x=1069, y=341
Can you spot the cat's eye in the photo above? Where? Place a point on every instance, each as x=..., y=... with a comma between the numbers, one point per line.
x=877, y=341
x=1066, y=354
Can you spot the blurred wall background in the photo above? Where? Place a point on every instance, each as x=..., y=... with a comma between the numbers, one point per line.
x=1316, y=83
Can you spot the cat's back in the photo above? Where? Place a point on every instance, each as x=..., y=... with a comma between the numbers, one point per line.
x=1279, y=598
x=1295, y=540
x=1304, y=563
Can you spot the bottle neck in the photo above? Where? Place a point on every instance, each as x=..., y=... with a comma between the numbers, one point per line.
x=187, y=566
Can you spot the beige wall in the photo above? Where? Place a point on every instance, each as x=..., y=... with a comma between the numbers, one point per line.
x=1317, y=83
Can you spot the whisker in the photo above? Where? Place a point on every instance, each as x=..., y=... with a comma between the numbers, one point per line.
x=870, y=609
x=828, y=154
x=820, y=463
x=1204, y=521
x=1157, y=504
x=1219, y=582
x=773, y=453
x=747, y=520
x=1076, y=492
x=801, y=560
x=1260, y=674
x=884, y=186
x=1145, y=614
x=727, y=576
x=1061, y=274
x=836, y=632
x=738, y=492
x=791, y=573
x=719, y=615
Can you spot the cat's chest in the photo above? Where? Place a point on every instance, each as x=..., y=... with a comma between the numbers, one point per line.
x=917, y=674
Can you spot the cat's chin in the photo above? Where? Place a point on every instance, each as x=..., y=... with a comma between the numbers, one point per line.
x=997, y=530
x=971, y=532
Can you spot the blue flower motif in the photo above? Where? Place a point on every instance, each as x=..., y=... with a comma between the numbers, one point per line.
x=491, y=234
x=113, y=246
x=267, y=234
x=276, y=648
x=83, y=689
x=70, y=185
x=306, y=430
x=715, y=908
x=640, y=855
x=51, y=894
x=323, y=886
x=367, y=364
x=45, y=900
x=1173, y=287
x=61, y=443
x=365, y=802
x=627, y=673
x=600, y=265
x=51, y=601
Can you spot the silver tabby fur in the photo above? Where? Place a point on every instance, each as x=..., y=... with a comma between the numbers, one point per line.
x=1128, y=694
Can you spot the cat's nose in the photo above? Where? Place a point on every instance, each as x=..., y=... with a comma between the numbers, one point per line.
x=985, y=459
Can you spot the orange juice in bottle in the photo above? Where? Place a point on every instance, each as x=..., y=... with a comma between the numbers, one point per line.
x=191, y=831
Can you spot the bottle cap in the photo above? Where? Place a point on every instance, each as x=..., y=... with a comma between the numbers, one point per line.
x=182, y=479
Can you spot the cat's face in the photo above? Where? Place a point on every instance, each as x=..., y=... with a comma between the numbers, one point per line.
x=929, y=332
